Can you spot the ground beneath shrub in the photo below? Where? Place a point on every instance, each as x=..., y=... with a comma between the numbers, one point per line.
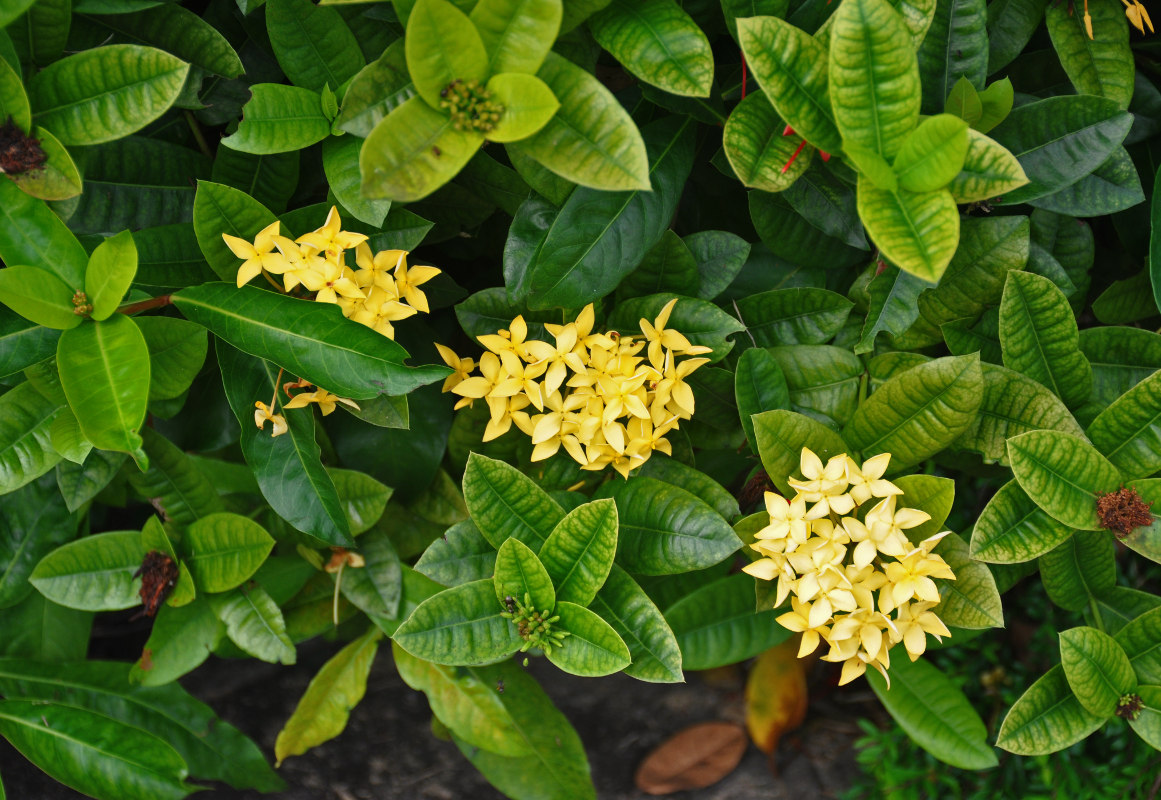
x=389, y=753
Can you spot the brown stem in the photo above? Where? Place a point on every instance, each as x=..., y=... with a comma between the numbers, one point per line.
x=145, y=305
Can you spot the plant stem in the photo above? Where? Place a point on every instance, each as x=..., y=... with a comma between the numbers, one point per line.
x=196, y=129
x=1096, y=614
x=145, y=305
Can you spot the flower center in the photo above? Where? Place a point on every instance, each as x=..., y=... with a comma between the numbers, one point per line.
x=471, y=106
x=534, y=627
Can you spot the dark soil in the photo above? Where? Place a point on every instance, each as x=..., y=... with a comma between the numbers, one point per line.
x=388, y=751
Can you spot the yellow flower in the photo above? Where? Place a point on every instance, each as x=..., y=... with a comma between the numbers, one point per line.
x=325, y=400
x=798, y=620
x=1137, y=14
x=407, y=282
x=257, y=256
x=867, y=482
x=826, y=487
x=329, y=239
x=462, y=367
x=265, y=412
x=913, y=622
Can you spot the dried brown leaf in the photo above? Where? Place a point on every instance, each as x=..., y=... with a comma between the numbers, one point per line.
x=694, y=758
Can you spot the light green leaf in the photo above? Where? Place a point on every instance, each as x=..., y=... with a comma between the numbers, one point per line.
x=932, y=154
x=592, y=647
x=1038, y=337
x=517, y=34
x=1096, y=65
x=1097, y=669
x=790, y=66
x=1148, y=724
x=1141, y=641
x=1063, y=475
x=39, y=296
x=520, y=577
x=758, y=152
x=997, y=102
x=375, y=91
x=222, y=550
x=1013, y=404
x=874, y=77
x=659, y=42
x=254, y=622
x=1046, y=718
x=934, y=713
x=413, y=151
x=182, y=639
x=59, y=178
x=591, y=140
x=279, y=119
x=528, y=106
x=916, y=232
x=665, y=530
x=104, y=370
x=364, y=499
x=104, y=93
x=1128, y=432
x=325, y=706
x=505, y=504
x=964, y=101
x=578, y=554
x=917, y=413
x=112, y=267
x=1121, y=357
x=460, y=626
x=460, y=700
x=94, y=573
x=442, y=45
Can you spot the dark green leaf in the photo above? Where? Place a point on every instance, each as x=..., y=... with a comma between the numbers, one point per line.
x=460, y=626
x=287, y=467
x=1078, y=569
x=313, y=44
x=716, y=624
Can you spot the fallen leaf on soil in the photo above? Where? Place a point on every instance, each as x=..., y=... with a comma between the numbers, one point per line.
x=696, y=757
x=775, y=695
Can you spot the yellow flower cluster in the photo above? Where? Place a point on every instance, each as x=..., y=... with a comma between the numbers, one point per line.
x=594, y=394
x=832, y=565
x=382, y=289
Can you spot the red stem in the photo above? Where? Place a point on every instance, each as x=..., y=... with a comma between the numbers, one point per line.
x=743, y=76
x=145, y=305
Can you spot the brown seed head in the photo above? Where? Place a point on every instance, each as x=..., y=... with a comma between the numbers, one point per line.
x=1129, y=706
x=19, y=152
x=1123, y=511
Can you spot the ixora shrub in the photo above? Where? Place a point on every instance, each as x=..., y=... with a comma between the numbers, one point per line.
x=393, y=321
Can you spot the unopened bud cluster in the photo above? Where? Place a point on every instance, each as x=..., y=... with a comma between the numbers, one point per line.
x=859, y=586
x=534, y=627
x=470, y=106
x=605, y=398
